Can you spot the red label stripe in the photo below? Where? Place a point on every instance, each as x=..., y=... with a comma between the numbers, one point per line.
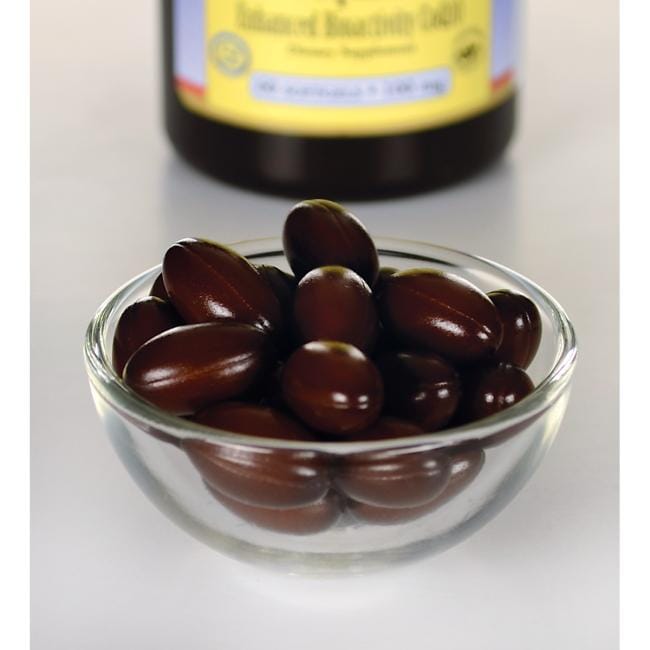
x=189, y=86
x=502, y=80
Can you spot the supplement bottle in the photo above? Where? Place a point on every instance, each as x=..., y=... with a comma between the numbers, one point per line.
x=340, y=98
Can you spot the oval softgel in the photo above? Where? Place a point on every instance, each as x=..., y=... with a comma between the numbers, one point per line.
x=323, y=233
x=208, y=282
x=442, y=313
x=333, y=387
x=335, y=304
x=185, y=369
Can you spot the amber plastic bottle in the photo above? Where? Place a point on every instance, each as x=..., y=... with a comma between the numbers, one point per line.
x=343, y=165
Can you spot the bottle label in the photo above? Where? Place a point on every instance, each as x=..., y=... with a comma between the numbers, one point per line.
x=343, y=67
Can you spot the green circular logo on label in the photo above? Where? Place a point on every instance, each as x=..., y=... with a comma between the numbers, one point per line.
x=230, y=53
x=469, y=49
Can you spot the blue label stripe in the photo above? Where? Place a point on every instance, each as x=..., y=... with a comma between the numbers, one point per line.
x=504, y=37
x=189, y=38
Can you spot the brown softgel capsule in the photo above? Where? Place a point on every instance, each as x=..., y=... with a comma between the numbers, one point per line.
x=522, y=328
x=386, y=428
x=321, y=233
x=385, y=272
x=507, y=433
x=253, y=420
x=187, y=368
x=466, y=465
x=158, y=289
x=210, y=282
x=333, y=387
x=378, y=516
x=335, y=304
x=259, y=476
x=440, y=313
x=283, y=285
x=420, y=387
x=397, y=478
x=306, y=520
x=491, y=389
x=139, y=322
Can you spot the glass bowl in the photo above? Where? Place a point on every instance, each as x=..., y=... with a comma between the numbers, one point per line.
x=326, y=507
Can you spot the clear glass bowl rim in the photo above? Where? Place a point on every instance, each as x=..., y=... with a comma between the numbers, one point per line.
x=117, y=394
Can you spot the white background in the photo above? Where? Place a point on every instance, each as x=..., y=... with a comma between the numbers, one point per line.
x=108, y=195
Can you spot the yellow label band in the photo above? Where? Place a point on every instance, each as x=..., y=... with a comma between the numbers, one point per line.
x=343, y=67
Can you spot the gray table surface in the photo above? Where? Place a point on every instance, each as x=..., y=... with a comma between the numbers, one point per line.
x=108, y=195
